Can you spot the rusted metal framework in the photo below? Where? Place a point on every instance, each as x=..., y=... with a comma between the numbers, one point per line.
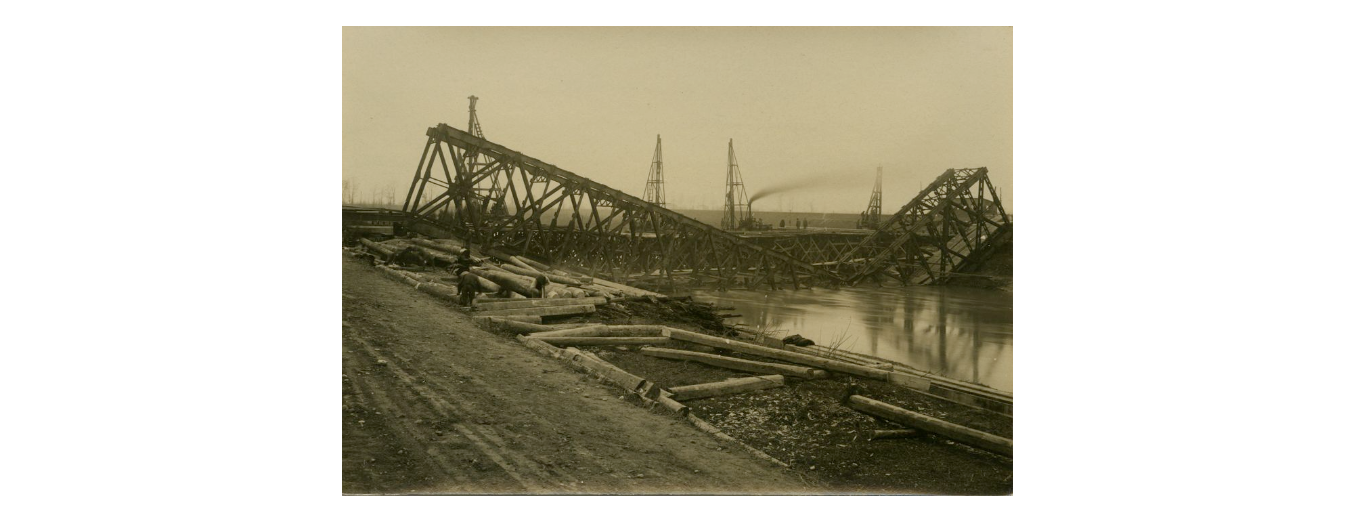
x=556, y=215
x=932, y=236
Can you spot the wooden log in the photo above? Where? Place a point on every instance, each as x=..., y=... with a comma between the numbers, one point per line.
x=448, y=248
x=737, y=364
x=553, y=311
x=604, y=370
x=507, y=280
x=538, y=303
x=777, y=354
x=602, y=290
x=577, y=330
x=553, y=290
x=628, y=290
x=554, y=277
x=893, y=434
x=513, y=326
x=437, y=256
x=540, y=266
x=530, y=319
x=665, y=399
x=384, y=251
x=538, y=346
x=634, y=330
x=486, y=285
x=441, y=291
x=397, y=275
x=518, y=270
x=605, y=340
x=915, y=420
x=730, y=386
x=986, y=392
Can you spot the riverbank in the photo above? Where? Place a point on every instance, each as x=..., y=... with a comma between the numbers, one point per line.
x=802, y=424
x=434, y=405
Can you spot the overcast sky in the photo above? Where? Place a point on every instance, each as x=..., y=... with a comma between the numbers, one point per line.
x=812, y=106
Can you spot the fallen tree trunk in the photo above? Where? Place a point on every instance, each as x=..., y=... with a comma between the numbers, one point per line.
x=385, y=252
x=778, y=354
x=554, y=311
x=577, y=330
x=569, y=340
x=892, y=434
x=538, y=303
x=737, y=364
x=731, y=386
x=915, y=420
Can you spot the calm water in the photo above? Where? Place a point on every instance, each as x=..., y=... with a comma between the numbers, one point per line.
x=962, y=333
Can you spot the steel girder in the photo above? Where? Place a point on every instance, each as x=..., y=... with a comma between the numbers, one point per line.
x=547, y=212
x=818, y=248
x=933, y=235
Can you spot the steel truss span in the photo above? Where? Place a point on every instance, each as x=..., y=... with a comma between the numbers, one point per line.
x=500, y=198
x=946, y=229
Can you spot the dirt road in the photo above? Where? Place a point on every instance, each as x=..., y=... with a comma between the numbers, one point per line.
x=432, y=404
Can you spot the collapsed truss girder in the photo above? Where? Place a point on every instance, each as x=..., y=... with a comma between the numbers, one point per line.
x=545, y=211
x=932, y=236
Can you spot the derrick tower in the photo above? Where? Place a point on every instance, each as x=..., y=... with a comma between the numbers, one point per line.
x=870, y=219
x=653, y=189
x=735, y=197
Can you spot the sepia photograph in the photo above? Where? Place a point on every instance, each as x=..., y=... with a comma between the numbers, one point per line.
x=677, y=261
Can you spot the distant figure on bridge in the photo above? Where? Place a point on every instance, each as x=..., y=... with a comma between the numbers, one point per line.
x=796, y=223
x=468, y=286
x=782, y=223
x=541, y=281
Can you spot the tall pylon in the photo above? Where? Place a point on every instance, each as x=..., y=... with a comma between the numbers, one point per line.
x=653, y=189
x=735, y=196
x=870, y=218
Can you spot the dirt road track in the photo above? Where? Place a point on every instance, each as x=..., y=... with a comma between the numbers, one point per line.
x=432, y=404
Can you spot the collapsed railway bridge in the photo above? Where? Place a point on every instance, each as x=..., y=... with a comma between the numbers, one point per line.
x=499, y=198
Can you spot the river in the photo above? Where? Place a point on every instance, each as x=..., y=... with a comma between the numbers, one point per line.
x=962, y=333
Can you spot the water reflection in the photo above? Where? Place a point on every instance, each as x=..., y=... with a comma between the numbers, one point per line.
x=962, y=333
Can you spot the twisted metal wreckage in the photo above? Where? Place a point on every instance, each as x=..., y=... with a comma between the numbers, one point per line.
x=497, y=197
